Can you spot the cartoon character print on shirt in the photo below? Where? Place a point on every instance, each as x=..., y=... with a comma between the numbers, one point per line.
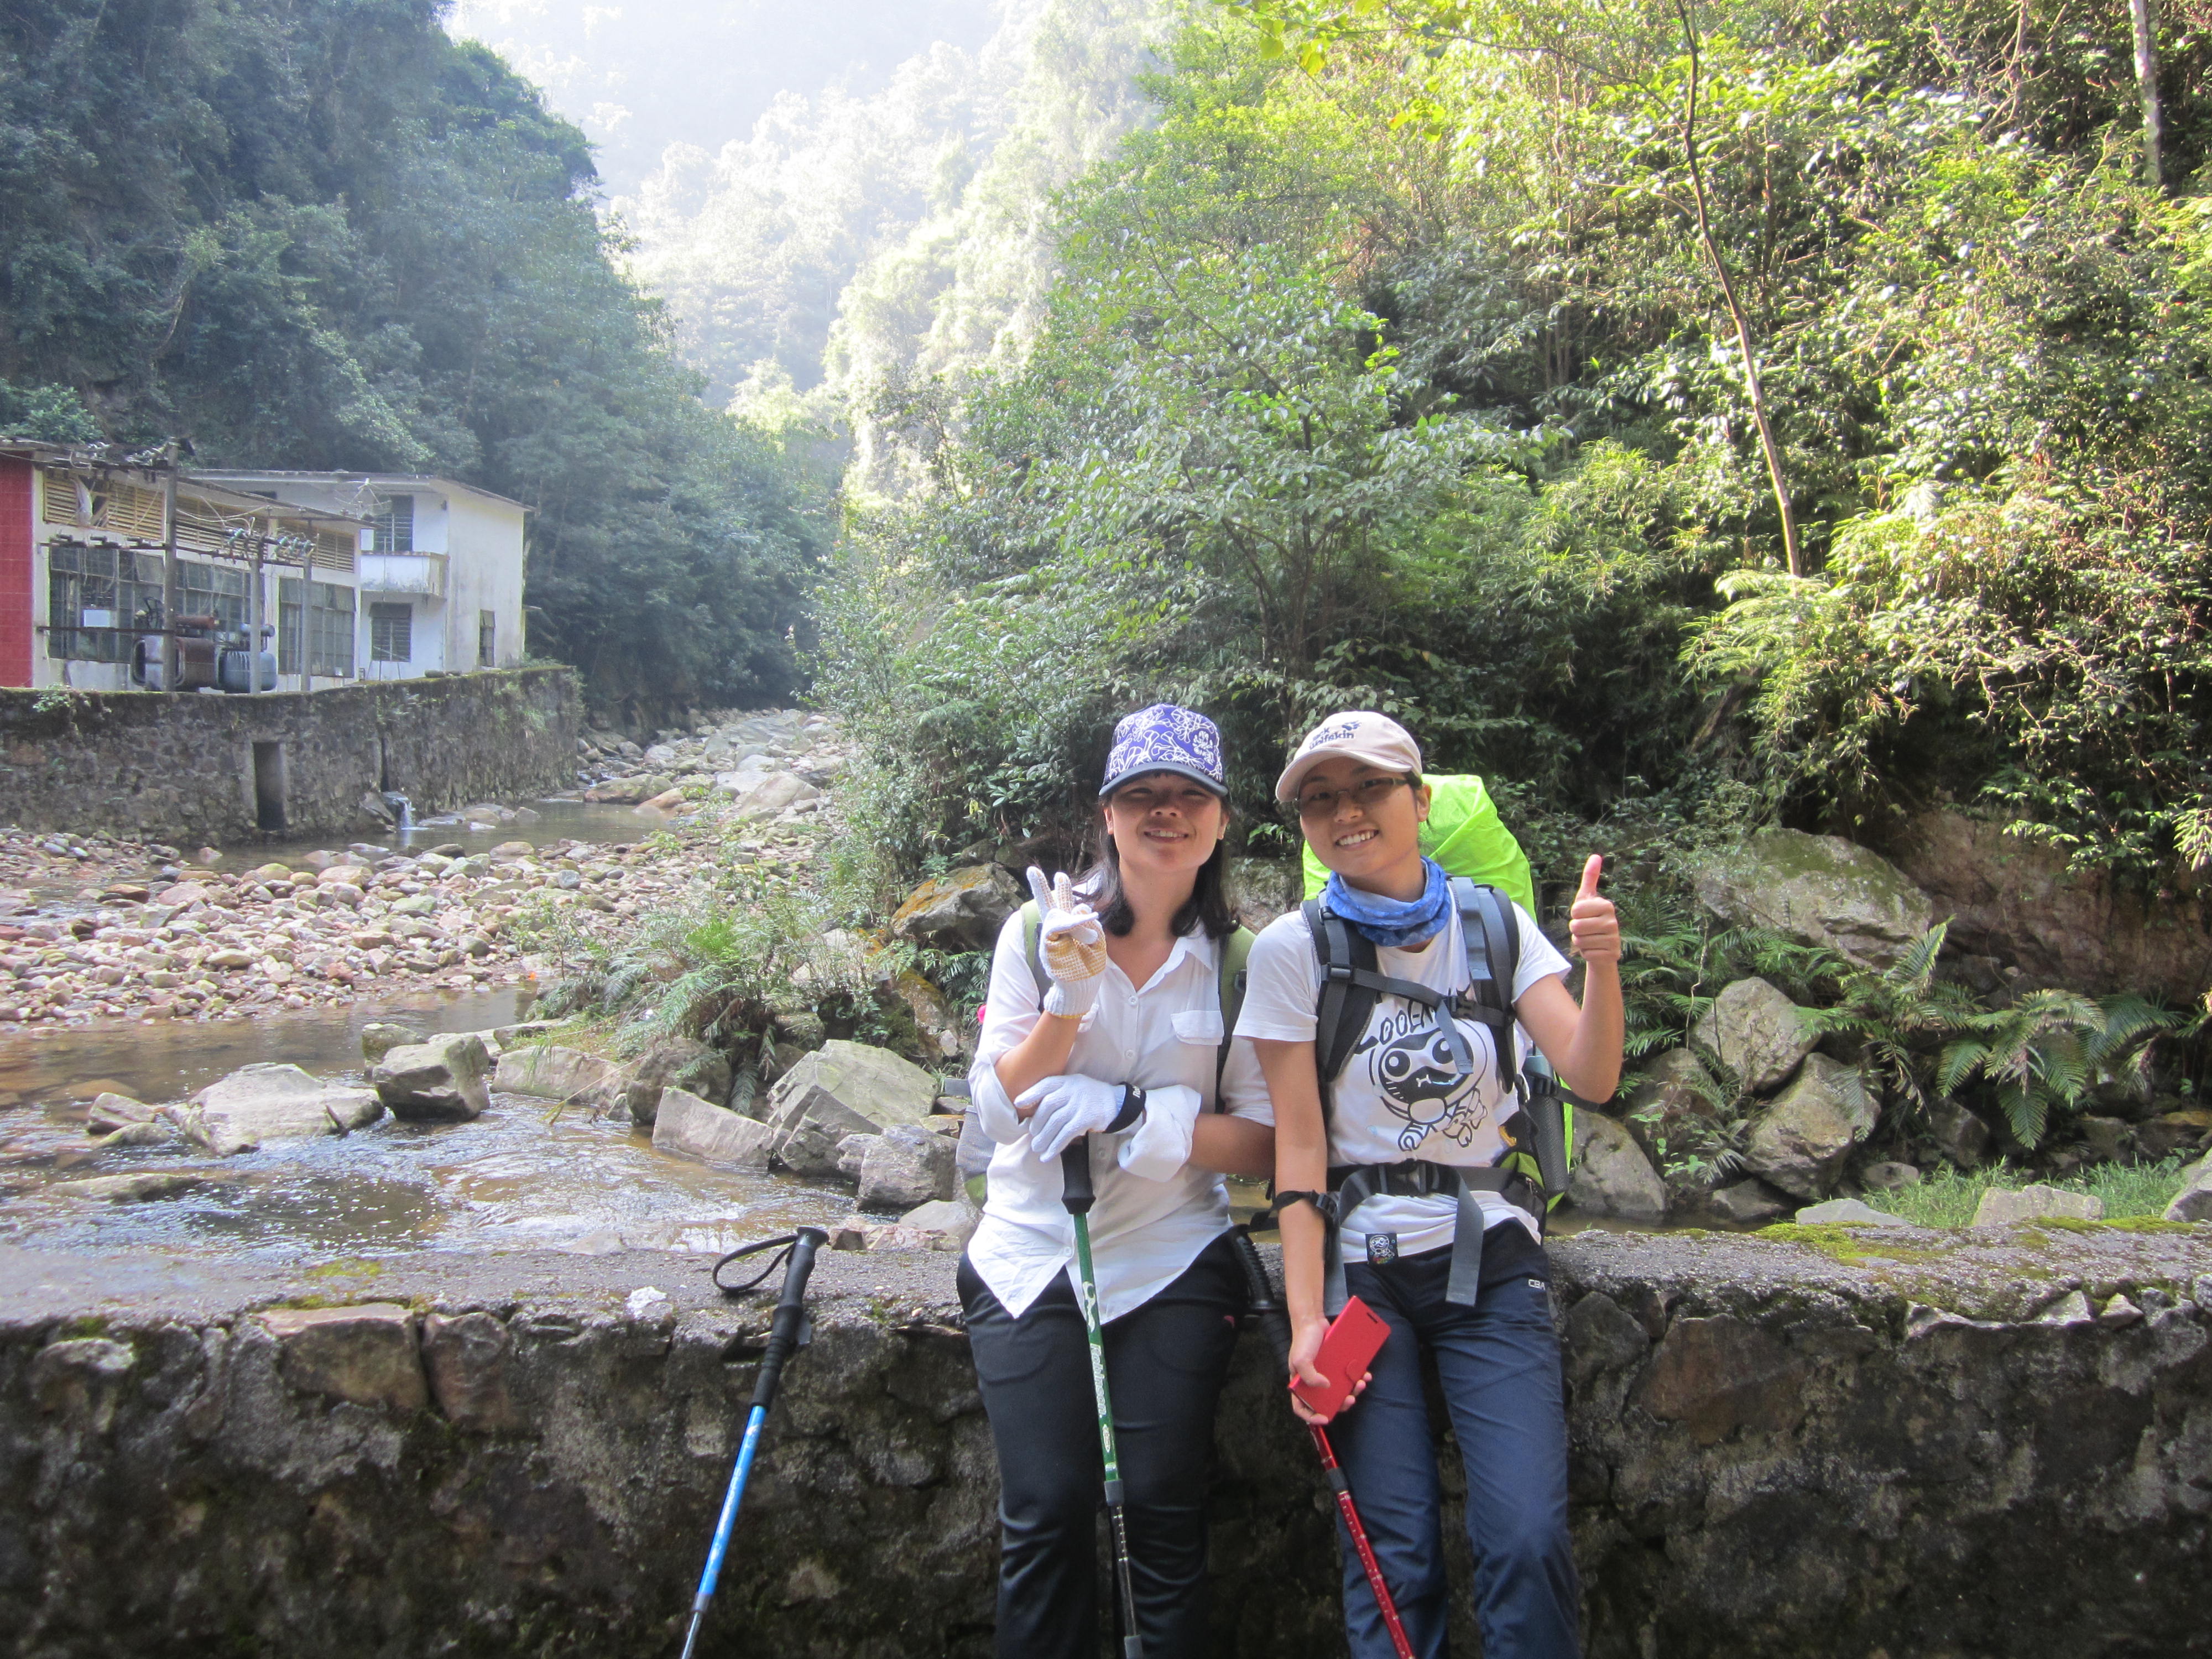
x=1410, y=1062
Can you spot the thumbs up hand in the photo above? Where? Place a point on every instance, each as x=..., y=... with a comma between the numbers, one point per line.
x=1592, y=924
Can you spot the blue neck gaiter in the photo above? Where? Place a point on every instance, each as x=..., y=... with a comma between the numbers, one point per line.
x=1394, y=922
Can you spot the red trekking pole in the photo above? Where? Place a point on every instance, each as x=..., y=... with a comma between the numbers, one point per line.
x=1277, y=1324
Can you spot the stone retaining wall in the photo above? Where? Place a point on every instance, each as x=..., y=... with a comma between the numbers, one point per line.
x=1899, y=1447
x=200, y=767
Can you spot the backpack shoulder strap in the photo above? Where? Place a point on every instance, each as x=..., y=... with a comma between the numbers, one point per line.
x=1032, y=930
x=1491, y=934
x=1235, y=954
x=1345, y=958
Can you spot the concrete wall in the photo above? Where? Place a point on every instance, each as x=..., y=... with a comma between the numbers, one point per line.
x=184, y=769
x=485, y=575
x=1911, y=1447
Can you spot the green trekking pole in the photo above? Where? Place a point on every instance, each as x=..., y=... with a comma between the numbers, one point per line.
x=1076, y=1194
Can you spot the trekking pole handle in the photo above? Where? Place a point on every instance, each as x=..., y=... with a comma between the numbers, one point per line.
x=1274, y=1319
x=790, y=1315
x=1075, y=1193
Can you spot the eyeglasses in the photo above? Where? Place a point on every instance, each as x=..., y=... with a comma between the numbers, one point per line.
x=1368, y=794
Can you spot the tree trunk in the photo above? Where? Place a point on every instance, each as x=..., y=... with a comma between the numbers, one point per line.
x=1767, y=446
x=2146, y=22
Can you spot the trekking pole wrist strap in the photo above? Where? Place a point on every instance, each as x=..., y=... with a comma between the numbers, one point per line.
x=1132, y=1107
x=1325, y=1204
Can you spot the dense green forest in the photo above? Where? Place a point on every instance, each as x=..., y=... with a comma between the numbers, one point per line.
x=320, y=233
x=1407, y=358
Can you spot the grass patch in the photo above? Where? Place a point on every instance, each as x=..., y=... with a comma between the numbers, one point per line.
x=2129, y=1191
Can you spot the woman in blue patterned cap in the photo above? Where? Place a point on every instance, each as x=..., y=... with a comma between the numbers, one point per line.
x=1113, y=1035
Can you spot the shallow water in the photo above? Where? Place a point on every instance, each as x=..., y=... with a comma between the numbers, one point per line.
x=557, y=820
x=525, y=1175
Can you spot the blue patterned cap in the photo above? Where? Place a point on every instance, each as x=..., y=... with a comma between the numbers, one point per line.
x=1165, y=738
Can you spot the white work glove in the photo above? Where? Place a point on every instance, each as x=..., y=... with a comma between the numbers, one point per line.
x=1070, y=943
x=1067, y=1108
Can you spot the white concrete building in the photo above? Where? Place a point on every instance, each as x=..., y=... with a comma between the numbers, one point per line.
x=439, y=573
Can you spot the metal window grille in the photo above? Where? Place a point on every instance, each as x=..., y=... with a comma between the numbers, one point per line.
x=487, y=639
x=395, y=526
x=329, y=627
x=391, y=633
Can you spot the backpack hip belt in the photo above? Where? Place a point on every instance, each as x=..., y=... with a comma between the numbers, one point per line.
x=1354, y=1184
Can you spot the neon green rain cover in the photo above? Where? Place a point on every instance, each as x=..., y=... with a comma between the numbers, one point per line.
x=1466, y=836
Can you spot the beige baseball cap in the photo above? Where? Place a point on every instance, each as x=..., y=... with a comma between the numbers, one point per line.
x=1360, y=734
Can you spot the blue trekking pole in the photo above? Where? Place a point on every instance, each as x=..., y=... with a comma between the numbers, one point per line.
x=786, y=1330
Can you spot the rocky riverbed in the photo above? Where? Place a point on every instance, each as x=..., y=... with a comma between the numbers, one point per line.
x=98, y=928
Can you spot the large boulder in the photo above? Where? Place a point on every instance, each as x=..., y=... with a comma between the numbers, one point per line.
x=2194, y=1202
x=771, y=797
x=1958, y=1134
x=443, y=1076
x=2017, y=900
x=1819, y=889
x=842, y=1088
x=674, y=1062
x=1756, y=1032
x=553, y=1073
x=907, y=1164
x=259, y=1103
x=379, y=1039
x=960, y=910
x=1611, y=1176
x=627, y=792
x=1800, y=1141
x=2036, y=1202
x=698, y=1128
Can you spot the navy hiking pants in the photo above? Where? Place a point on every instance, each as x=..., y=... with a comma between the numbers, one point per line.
x=1498, y=1362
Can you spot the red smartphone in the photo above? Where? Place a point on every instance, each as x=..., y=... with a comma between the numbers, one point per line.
x=1355, y=1337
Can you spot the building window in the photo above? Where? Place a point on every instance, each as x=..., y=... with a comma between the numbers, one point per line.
x=394, y=527
x=487, y=639
x=329, y=627
x=95, y=597
x=212, y=590
x=391, y=633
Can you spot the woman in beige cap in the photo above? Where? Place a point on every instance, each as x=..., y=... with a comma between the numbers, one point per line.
x=1398, y=1189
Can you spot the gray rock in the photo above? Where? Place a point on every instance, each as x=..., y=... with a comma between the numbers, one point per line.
x=909, y=1164
x=960, y=910
x=2071, y=1309
x=379, y=1039
x=2035, y=1202
x=674, y=1062
x=259, y=1103
x=2117, y=1312
x=2104, y=1139
x=1756, y=1032
x=553, y=1073
x=1960, y=1136
x=1848, y=1213
x=842, y=1088
x=771, y=797
x=110, y=1112
x=852, y=1152
x=1611, y=1176
x=467, y=1357
x=444, y=1077
x=141, y=1188
x=1888, y=1178
x=947, y=1224
x=365, y=1355
x=1819, y=889
x=1800, y=1141
x=1748, y=1203
x=2194, y=1202
x=699, y=1128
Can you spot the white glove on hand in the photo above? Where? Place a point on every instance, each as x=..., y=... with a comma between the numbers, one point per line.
x=1067, y=1108
x=1070, y=943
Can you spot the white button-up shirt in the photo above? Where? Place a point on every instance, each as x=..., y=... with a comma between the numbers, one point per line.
x=1153, y=1212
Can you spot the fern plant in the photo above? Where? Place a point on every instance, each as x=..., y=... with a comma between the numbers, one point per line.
x=2049, y=1049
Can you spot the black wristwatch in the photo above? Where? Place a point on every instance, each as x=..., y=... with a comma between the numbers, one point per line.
x=1132, y=1107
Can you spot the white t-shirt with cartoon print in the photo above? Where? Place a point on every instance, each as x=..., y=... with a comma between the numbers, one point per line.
x=1399, y=1097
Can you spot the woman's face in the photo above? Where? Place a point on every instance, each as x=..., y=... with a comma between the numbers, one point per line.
x=1360, y=820
x=1163, y=824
